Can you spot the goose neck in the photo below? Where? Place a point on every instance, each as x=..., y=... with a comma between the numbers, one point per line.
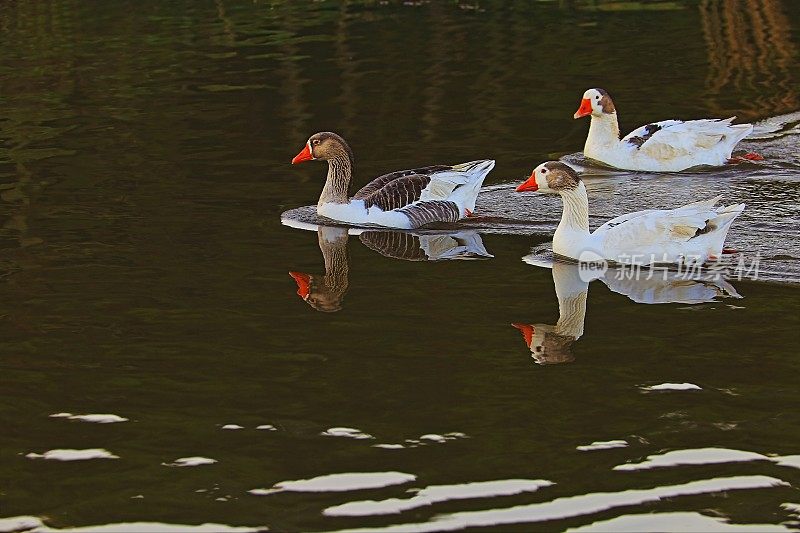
x=340, y=170
x=603, y=132
x=575, y=216
x=572, y=233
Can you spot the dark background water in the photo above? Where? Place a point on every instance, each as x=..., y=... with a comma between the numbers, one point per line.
x=144, y=150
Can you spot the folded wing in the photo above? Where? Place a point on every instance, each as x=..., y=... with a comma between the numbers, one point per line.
x=674, y=138
x=649, y=230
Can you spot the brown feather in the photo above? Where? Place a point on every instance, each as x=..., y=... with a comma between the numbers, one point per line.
x=381, y=181
x=397, y=193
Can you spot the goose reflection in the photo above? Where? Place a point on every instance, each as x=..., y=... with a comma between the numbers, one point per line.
x=552, y=344
x=325, y=292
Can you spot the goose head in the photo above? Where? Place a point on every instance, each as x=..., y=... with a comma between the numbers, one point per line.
x=595, y=102
x=547, y=346
x=324, y=145
x=317, y=292
x=552, y=177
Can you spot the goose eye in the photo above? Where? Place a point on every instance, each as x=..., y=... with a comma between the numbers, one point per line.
x=544, y=171
x=597, y=97
x=315, y=142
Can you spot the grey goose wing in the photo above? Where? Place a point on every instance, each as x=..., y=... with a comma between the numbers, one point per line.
x=381, y=181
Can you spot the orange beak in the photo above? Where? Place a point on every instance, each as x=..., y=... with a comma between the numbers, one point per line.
x=584, y=109
x=529, y=185
x=527, y=332
x=303, y=284
x=304, y=155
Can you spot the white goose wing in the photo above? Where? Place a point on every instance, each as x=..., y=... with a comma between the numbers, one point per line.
x=657, y=231
x=621, y=220
x=675, y=138
x=707, y=204
x=462, y=182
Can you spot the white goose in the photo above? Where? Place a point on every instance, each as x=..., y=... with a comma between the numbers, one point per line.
x=693, y=233
x=667, y=146
x=405, y=199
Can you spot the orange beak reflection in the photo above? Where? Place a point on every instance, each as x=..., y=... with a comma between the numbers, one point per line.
x=527, y=332
x=303, y=284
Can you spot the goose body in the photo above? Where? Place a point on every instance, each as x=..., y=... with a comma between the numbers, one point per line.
x=405, y=199
x=666, y=146
x=693, y=233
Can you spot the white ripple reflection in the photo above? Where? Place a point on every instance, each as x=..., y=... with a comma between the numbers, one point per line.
x=428, y=438
x=191, y=461
x=792, y=461
x=584, y=504
x=350, y=433
x=94, y=418
x=137, y=527
x=602, y=445
x=73, y=455
x=19, y=523
x=672, y=386
x=791, y=508
x=339, y=482
x=433, y=437
x=678, y=521
x=700, y=456
x=436, y=494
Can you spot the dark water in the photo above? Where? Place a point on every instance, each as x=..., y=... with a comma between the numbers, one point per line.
x=144, y=151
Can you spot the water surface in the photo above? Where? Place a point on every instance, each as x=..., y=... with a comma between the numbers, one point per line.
x=144, y=165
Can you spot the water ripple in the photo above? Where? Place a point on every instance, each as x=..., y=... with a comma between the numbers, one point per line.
x=603, y=445
x=678, y=521
x=701, y=456
x=438, y=493
x=73, y=455
x=94, y=418
x=339, y=482
x=584, y=504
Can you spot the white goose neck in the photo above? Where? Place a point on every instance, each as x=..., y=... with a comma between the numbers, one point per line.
x=340, y=171
x=576, y=209
x=603, y=133
x=572, y=232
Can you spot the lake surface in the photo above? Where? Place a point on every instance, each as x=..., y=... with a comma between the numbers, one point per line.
x=144, y=167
